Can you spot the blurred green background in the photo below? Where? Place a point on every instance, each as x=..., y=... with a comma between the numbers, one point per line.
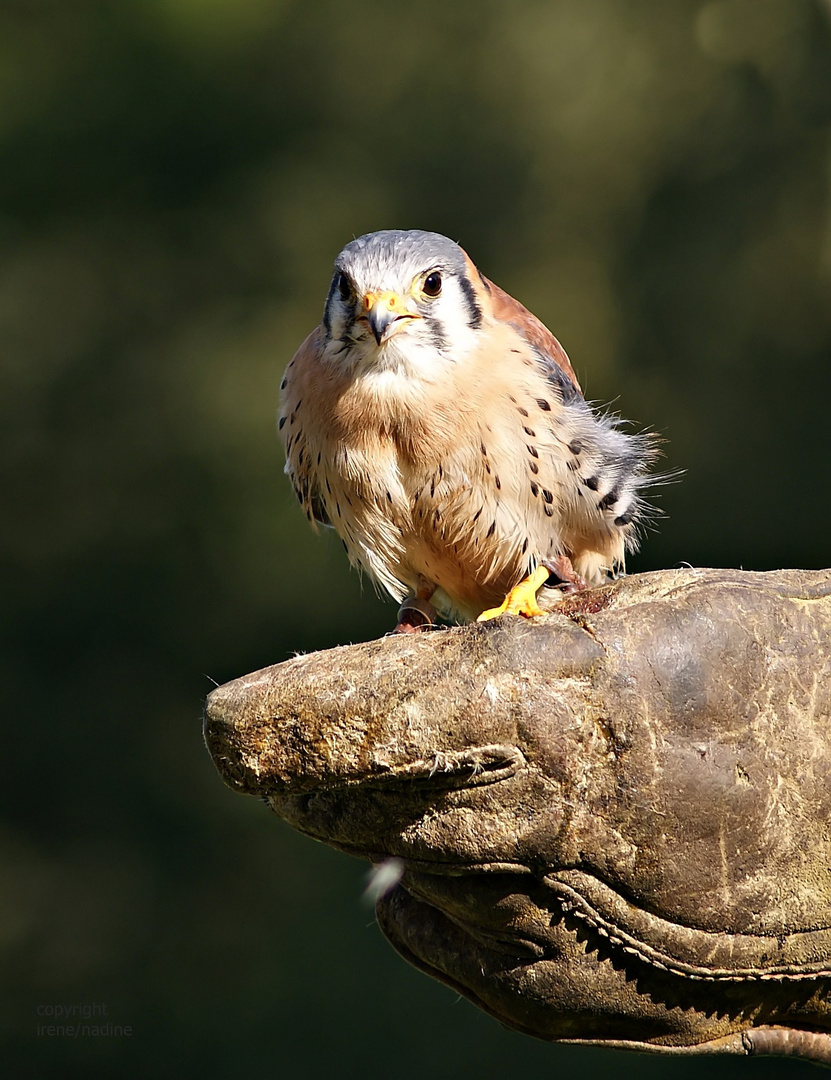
x=176, y=176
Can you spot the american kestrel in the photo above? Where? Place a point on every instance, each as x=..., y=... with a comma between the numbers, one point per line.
x=439, y=427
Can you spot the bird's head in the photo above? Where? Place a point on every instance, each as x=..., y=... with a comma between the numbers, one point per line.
x=403, y=295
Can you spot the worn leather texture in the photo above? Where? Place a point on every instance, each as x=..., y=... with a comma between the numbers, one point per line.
x=612, y=821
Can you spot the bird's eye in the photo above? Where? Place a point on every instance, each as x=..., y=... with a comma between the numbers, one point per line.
x=344, y=288
x=432, y=284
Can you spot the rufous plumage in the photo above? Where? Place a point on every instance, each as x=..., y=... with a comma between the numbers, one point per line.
x=439, y=428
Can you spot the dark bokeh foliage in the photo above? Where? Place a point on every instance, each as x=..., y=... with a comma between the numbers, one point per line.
x=176, y=177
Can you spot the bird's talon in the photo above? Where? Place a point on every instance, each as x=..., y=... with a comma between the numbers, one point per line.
x=521, y=600
x=570, y=580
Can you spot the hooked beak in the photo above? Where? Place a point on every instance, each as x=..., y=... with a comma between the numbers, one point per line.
x=386, y=313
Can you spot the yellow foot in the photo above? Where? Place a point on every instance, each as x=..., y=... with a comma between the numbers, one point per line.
x=522, y=599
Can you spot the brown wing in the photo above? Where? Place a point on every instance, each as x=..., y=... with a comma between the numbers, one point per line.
x=299, y=466
x=537, y=333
